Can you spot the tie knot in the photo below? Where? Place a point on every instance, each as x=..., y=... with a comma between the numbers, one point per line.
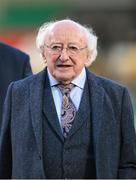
x=65, y=89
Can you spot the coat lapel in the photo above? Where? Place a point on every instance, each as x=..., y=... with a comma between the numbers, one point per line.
x=50, y=110
x=103, y=123
x=82, y=113
x=36, y=94
x=97, y=94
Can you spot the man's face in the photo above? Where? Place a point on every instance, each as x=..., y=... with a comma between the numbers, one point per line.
x=63, y=53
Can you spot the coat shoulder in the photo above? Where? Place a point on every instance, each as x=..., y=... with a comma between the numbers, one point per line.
x=109, y=83
x=105, y=82
x=112, y=89
x=12, y=52
x=26, y=82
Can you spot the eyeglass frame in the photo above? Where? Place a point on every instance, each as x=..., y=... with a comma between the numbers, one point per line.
x=62, y=48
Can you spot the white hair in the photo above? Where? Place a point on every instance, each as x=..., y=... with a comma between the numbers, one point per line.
x=46, y=28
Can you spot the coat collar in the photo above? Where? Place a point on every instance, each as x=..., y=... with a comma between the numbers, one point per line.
x=97, y=95
x=36, y=94
x=104, y=127
x=49, y=109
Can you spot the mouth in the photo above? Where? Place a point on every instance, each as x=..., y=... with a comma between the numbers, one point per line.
x=63, y=66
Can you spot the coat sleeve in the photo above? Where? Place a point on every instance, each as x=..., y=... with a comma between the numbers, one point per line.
x=5, y=139
x=127, y=168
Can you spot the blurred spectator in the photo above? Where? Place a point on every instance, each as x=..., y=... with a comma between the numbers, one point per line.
x=14, y=65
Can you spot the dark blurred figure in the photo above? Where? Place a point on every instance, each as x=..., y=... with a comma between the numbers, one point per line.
x=14, y=65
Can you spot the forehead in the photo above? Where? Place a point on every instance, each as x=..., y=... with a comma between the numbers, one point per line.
x=67, y=32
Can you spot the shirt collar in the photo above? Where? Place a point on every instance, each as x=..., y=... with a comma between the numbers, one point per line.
x=78, y=81
x=52, y=80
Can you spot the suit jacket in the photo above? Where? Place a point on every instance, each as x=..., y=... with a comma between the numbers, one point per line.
x=114, y=140
x=14, y=65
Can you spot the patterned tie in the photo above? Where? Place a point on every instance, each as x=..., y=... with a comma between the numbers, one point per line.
x=68, y=111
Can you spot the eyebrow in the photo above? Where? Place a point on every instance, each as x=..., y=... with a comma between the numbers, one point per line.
x=70, y=43
x=57, y=43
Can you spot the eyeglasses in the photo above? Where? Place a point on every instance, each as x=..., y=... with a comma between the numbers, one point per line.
x=57, y=49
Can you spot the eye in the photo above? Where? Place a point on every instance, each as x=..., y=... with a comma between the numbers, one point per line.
x=73, y=48
x=56, y=47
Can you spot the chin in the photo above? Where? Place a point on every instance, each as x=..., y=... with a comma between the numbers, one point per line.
x=65, y=76
x=64, y=79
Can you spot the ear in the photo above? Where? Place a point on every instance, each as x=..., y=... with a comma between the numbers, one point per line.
x=88, y=56
x=43, y=57
x=45, y=61
x=43, y=53
x=88, y=59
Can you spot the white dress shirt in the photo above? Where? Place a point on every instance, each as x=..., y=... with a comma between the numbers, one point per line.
x=75, y=94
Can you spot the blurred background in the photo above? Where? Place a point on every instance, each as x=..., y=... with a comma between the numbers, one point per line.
x=114, y=22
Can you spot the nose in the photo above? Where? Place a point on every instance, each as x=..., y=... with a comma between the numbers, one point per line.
x=64, y=55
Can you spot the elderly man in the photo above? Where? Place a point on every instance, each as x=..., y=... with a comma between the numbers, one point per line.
x=66, y=122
